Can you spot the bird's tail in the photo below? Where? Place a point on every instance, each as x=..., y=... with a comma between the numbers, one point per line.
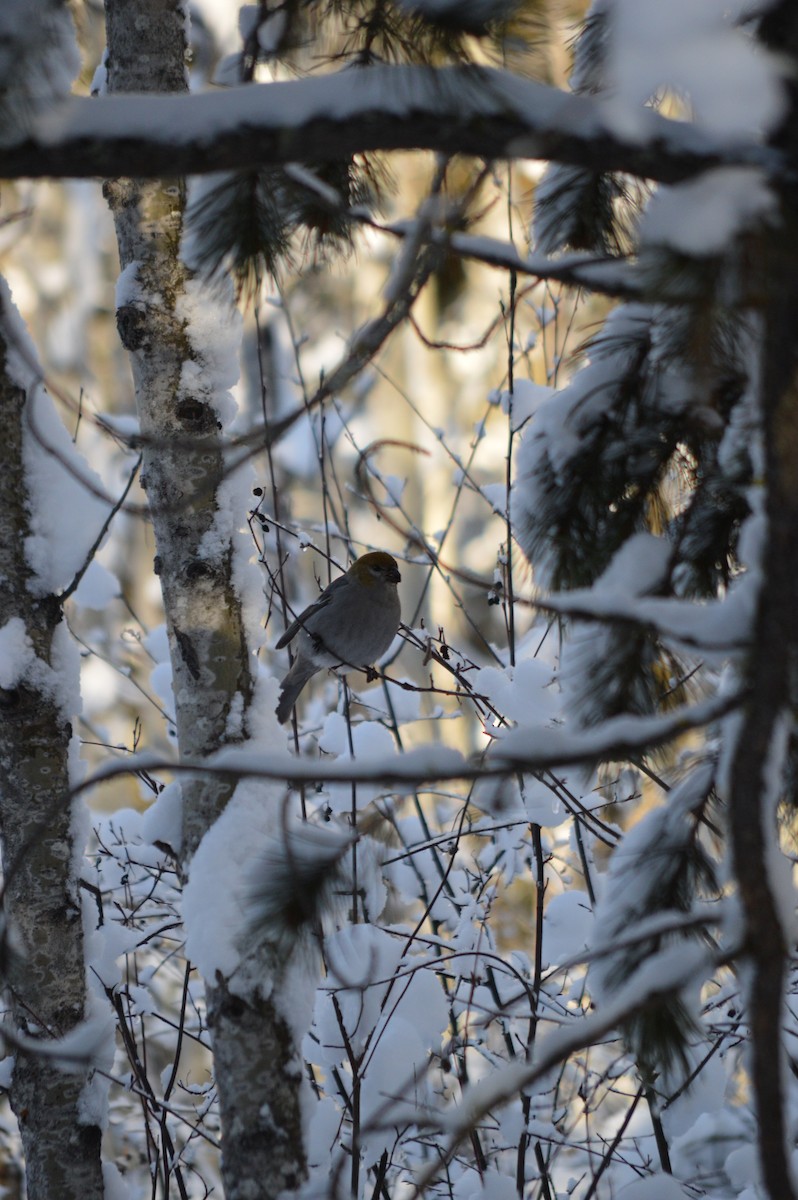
x=292, y=685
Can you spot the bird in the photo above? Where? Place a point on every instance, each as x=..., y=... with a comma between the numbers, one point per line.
x=352, y=623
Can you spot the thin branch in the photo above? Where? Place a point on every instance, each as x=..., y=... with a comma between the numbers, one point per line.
x=98, y=541
x=504, y=1085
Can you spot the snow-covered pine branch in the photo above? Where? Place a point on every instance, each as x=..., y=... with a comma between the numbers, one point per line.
x=483, y=112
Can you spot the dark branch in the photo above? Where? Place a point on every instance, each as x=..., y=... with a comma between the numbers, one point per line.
x=484, y=113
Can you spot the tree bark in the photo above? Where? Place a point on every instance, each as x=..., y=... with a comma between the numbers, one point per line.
x=183, y=460
x=257, y=1065
x=45, y=969
x=773, y=662
x=772, y=684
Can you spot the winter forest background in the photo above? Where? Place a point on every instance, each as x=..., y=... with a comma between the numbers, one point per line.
x=508, y=289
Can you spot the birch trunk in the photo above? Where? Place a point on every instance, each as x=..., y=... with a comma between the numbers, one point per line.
x=257, y=1065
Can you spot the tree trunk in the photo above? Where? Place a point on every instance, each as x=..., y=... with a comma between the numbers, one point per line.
x=257, y=1065
x=773, y=669
x=45, y=969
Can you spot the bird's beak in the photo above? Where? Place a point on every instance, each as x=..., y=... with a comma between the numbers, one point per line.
x=392, y=575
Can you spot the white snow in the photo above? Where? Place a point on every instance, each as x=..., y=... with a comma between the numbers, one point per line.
x=161, y=683
x=431, y=761
x=673, y=968
x=104, y=946
x=156, y=643
x=654, y=1187
x=57, y=679
x=392, y=1018
x=743, y=1169
x=525, y=692
x=115, y=1187
x=213, y=327
x=98, y=587
x=637, y=567
x=705, y=1148
x=700, y=52
x=66, y=509
x=537, y=747
x=392, y=1004
x=707, y=1093
x=17, y=656
x=63, y=492
x=526, y=399
x=720, y=625
x=568, y=923
x=223, y=18
x=372, y=742
x=215, y=917
x=128, y=289
x=701, y=217
x=90, y=1043
x=163, y=820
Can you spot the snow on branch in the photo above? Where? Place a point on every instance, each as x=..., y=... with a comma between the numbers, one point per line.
x=482, y=112
x=664, y=975
x=611, y=275
x=523, y=749
x=716, y=625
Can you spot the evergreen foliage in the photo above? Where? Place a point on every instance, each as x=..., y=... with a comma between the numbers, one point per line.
x=614, y=453
x=664, y=869
x=246, y=222
x=242, y=223
x=299, y=883
x=657, y=434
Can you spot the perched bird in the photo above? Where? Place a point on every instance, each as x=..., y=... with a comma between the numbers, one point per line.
x=351, y=624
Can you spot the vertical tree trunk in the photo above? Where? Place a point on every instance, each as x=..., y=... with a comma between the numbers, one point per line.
x=257, y=1066
x=773, y=684
x=773, y=669
x=183, y=459
x=46, y=977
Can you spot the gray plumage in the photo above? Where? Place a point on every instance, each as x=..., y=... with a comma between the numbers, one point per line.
x=352, y=624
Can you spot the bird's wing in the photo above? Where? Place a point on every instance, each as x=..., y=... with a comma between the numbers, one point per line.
x=317, y=605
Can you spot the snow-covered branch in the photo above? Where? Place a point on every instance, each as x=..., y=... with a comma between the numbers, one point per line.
x=715, y=626
x=665, y=974
x=456, y=110
x=612, y=276
x=523, y=749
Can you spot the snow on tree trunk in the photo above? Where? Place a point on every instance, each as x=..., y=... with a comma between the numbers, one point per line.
x=256, y=1060
x=43, y=959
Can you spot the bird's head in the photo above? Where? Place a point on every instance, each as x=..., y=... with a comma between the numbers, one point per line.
x=376, y=567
